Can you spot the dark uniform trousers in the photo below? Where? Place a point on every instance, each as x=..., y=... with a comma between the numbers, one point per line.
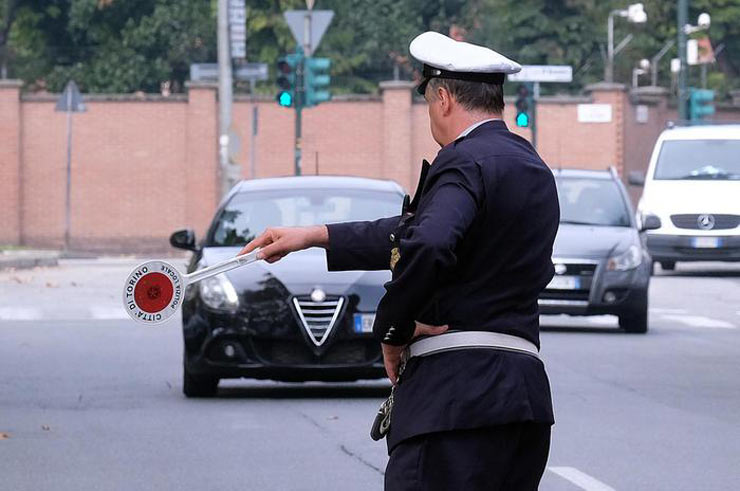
x=472, y=250
x=507, y=457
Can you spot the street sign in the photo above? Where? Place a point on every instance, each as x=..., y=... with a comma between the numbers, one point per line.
x=71, y=99
x=237, y=28
x=200, y=72
x=318, y=21
x=543, y=73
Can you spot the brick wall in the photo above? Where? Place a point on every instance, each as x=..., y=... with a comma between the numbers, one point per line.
x=143, y=167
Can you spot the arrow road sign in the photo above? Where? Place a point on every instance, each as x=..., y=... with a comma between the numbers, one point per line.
x=71, y=99
x=317, y=20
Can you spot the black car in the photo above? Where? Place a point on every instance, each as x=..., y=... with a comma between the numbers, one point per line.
x=601, y=263
x=292, y=320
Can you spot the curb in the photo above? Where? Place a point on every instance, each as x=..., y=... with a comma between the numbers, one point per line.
x=28, y=259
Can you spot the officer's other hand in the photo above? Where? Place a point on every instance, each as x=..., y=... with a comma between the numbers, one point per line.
x=277, y=242
x=392, y=354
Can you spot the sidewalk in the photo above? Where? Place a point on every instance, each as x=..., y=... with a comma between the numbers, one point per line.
x=31, y=258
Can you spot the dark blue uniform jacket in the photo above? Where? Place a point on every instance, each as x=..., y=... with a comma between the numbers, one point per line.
x=472, y=250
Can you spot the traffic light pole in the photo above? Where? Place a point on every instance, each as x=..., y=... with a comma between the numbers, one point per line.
x=299, y=100
x=535, y=98
x=683, y=93
x=298, y=111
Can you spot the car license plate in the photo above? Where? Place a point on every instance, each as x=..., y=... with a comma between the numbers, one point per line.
x=364, y=323
x=706, y=242
x=564, y=283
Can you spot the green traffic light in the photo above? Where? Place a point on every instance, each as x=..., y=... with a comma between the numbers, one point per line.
x=285, y=99
x=522, y=120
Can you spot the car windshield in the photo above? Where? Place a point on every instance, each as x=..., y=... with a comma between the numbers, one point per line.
x=250, y=213
x=699, y=159
x=585, y=201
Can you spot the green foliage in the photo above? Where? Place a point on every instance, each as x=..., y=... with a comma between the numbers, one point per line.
x=129, y=45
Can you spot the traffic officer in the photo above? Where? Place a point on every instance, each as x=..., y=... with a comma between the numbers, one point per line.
x=469, y=256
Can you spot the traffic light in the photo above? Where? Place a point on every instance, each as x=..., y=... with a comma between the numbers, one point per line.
x=701, y=103
x=287, y=80
x=316, y=80
x=524, y=106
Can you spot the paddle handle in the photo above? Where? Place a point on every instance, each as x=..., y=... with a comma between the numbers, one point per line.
x=221, y=267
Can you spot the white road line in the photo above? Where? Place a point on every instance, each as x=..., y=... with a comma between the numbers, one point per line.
x=580, y=479
x=658, y=310
x=699, y=321
x=105, y=313
x=20, y=314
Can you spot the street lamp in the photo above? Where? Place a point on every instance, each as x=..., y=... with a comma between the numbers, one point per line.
x=641, y=69
x=636, y=14
x=702, y=24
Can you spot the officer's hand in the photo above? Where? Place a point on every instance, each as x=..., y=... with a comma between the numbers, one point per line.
x=278, y=242
x=392, y=354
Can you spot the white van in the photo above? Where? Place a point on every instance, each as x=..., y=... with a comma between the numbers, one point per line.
x=693, y=186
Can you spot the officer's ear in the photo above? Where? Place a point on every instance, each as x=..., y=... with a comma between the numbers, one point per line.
x=444, y=99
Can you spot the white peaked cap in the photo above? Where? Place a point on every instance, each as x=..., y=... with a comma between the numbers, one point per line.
x=439, y=51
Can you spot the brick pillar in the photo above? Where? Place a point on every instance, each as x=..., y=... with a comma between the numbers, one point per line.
x=397, y=131
x=615, y=95
x=201, y=138
x=10, y=161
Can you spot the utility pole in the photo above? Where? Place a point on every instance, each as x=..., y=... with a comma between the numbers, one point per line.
x=683, y=93
x=224, y=97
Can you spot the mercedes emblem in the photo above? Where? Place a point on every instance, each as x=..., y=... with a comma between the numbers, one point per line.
x=705, y=222
x=560, y=268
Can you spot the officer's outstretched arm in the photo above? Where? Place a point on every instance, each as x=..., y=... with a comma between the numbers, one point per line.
x=361, y=246
x=428, y=249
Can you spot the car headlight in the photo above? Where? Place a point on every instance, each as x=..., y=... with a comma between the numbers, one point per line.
x=218, y=293
x=629, y=259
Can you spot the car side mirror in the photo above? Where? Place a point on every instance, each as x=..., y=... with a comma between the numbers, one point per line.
x=650, y=222
x=636, y=178
x=184, y=239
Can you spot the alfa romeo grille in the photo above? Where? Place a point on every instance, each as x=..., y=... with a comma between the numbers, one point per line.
x=318, y=318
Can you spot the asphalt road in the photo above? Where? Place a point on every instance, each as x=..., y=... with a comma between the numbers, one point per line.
x=89, y=400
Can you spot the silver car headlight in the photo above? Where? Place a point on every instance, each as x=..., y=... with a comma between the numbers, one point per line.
x=629, y=259
x=218, y=293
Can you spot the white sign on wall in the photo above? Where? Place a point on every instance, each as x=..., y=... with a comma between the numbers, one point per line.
x=594, y=113
x=641, y=113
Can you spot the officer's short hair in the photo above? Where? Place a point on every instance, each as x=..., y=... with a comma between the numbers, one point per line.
x=473, y=96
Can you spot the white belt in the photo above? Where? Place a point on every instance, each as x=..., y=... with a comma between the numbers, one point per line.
x=471, y=339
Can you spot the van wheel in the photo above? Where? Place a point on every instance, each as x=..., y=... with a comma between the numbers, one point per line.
x=668, y=265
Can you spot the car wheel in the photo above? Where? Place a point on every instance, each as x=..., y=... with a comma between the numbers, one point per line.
x=198, y=385
x=668, y=265
x=635, y=323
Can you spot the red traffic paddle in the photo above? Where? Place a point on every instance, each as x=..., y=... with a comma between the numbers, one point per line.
x=154, y=290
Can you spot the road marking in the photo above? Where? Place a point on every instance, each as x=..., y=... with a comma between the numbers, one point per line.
x=581, y=479
x=699, y=321
x=107, y=313
x=19, y=314
x=658, y=310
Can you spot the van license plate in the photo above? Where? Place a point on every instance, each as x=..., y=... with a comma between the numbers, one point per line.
x=564, y=283
x=706, y=242
x=364, y=323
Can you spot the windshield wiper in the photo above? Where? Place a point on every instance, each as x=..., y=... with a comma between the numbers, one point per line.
x=576, y=222
x=718, y=175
